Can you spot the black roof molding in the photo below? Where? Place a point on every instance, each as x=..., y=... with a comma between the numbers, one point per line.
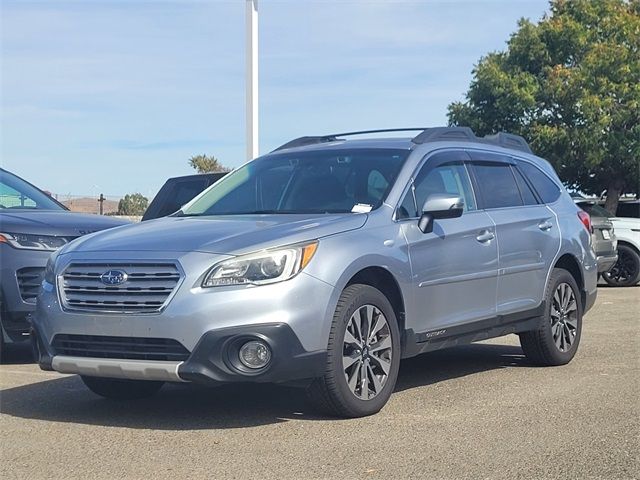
x=433, y=134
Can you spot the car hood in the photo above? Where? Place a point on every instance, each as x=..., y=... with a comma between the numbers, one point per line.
x=218, y=234
x=626, y=222
x=52, y=222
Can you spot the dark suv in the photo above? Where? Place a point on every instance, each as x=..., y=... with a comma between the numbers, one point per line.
x=32, y=225
x=178, y=191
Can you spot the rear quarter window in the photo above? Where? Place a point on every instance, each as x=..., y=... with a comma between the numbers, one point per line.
x=547, y=189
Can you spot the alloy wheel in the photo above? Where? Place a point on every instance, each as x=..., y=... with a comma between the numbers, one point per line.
x=564, y=317
x=367, y=352
x=624, y=269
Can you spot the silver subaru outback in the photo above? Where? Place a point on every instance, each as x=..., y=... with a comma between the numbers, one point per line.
x=323, y=264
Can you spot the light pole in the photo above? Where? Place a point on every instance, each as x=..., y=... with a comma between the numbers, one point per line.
x=252, y=78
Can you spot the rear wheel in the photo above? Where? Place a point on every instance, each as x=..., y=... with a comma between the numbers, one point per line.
x=121, y=389
x=556, y=339
x=363, y=355
x=626, y=271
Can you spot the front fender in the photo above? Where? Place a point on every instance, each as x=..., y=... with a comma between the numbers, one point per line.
x=339, y=258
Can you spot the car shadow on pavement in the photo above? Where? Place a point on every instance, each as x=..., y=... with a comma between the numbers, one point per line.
x=443, y=365
x=188, y=407
x=18, y=354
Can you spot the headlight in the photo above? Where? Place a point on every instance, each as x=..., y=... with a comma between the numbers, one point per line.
x=33, y=242
x=269, y=266
x=50, y=269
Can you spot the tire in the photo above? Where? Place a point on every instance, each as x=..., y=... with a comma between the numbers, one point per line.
x=344, y=390
x=557, y=337
x=626, y=271
x=120, y=389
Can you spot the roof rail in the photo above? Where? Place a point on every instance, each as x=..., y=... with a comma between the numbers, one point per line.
x=434, y=134
x=508, y=140
x=304, y=141
x=444, y=133
x=502, y=139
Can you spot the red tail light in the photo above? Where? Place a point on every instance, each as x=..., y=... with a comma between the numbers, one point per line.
x=586, y=220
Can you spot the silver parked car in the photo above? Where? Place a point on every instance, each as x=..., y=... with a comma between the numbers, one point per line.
x=603, y=237
x=323, y=264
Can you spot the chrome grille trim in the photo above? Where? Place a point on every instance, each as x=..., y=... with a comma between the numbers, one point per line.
x=149, y=287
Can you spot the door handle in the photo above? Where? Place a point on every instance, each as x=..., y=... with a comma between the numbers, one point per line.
x=485, y=236
x=546, y=225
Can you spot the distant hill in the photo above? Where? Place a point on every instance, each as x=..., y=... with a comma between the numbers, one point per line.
x=90, y=205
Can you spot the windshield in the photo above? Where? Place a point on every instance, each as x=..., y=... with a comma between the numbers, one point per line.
x=330, y=181
x=15, y=193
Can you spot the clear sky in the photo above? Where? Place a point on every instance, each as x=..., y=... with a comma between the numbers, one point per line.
x=114, y=96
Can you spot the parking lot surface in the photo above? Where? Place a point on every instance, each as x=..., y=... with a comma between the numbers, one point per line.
x=479, y=411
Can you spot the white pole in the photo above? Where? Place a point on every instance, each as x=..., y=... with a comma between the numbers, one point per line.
x=252, y=78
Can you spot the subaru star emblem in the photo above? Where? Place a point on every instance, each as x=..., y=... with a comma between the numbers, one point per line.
x=113, y=277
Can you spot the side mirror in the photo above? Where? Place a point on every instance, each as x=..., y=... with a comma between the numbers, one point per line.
x=439, y=206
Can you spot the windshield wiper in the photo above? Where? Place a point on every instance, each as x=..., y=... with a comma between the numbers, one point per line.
x=180, y=213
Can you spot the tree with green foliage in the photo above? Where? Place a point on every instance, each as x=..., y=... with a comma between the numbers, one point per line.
x=570, y=85
x=133, y=204
x=206, y=164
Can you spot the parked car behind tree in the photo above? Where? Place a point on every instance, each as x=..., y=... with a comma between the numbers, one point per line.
x=603, y=237
x=626, y=271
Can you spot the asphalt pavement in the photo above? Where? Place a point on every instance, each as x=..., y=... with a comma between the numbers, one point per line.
x=480, y=411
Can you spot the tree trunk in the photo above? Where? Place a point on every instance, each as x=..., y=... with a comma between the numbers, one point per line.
x=614, y=189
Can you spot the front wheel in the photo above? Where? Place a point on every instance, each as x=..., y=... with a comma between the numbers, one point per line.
x=556, y=339
x=121, y=389
x=363, y=355
x=626, y=271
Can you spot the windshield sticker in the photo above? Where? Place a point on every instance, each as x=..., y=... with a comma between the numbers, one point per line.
x=361, y=208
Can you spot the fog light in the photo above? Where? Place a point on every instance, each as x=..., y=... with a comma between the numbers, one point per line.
x=255, y=354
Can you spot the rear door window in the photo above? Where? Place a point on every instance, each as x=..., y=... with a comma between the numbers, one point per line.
x=497, y=184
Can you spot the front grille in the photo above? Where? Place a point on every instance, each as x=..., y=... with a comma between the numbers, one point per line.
x=129, y=348
x=146, y=289
x=29, y=281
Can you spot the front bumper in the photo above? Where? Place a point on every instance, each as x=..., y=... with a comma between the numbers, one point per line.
x=294, y=317
x=213, y=361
